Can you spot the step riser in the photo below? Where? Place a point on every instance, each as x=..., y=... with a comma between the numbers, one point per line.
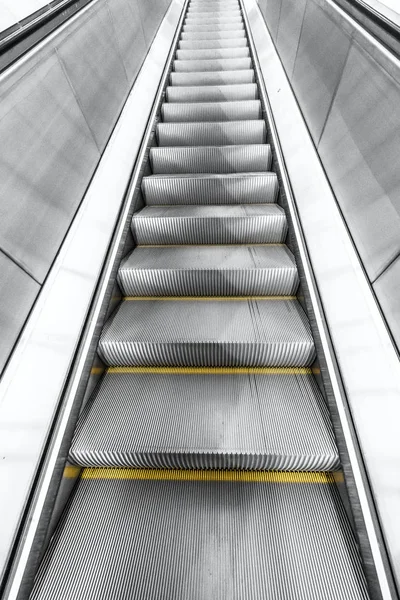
x=211, y=134
x=214, y=35
x=226, y=111
x=224, y=159
x=210, y=44
x=183, y=191
x=212, y=78
x=194, y=55
x=178, y=231
x=215, y=64
x=248, y=282
x=210, y=27
x=212, y=93
x=212, y=20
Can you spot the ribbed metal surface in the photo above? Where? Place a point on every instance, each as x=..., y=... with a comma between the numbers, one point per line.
x=212, y=93
x=212, y=78
x=208, y=333
x=258, y=224
x=217, y=133
x=209, y=271
x=213, y=35
x=211, y=159
x=131, y=539
x=208, y=11
x=213, y=64
x=232, y=188
x=243, y=110
x=277, y=422
x=227, y=43
x=223, y=26
x=213, y=53
x=201, y=20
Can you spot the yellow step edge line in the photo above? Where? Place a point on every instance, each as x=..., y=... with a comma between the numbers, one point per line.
x=213, y=370
x=208, y=298
x=201, y=245
x=197, y=475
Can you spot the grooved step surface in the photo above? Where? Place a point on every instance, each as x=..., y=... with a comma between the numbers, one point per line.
x=209, y=271
x=277, y=422
x=213, y=35
x=131, y=539
x=213, y=64
x=201, y=44
x=240, y=188
x=205, y=11
x=211, y=159
x=200, y=20
x=212, y=78
x=212, y=93
x=208, y=333
x=217, y=133
x=244, y=110
x=213, y=53
x=257, y=224
x=223, y=26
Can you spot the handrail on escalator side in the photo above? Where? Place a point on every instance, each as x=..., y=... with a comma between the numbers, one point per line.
x=380, y=21
x=16, y=41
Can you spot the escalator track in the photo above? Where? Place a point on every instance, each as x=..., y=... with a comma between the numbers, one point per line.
x=207, y=449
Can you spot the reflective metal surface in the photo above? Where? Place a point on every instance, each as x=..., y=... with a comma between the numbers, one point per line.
x=367, y=360
x=17, y=293
x=34, y=379
x=90, y=57
x=129, y=34
x=321, y=54
x=290, y=24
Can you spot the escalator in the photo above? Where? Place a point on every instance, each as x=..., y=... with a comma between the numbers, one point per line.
x=207, y=450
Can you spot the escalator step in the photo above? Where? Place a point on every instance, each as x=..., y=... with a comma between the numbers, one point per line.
x=212, y=93
x=210, y=189
x=221, y=11
x=206, y=421
x=127, y=535
x=211, y=159
x=209, y=271
x=257, y=224
x=214, y=64
x=213, y=20
x=208, y=333
x=219, y=133
x=202, y=44
x=213, y=35
x=223, y=26
x=212, y=78
x=213, y=53
x=243, y=110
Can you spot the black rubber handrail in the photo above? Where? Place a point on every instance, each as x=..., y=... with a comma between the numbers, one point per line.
x=23, y=36
x=377, y=19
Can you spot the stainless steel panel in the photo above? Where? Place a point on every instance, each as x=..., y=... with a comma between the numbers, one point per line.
x=47, y=159
x=320, y=59
x=129, y=35
x=387, y=289
x=17, y=295
x=94, y=67
x=151, y=12
x=359, y=149
x=290, y=22
x=271, y=12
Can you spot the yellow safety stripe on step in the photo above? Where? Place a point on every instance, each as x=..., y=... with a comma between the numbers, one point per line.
x=208, y=298
x=212, y=475
x=213, y=370
x=71, y=472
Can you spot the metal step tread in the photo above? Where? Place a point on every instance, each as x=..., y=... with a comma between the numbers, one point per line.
x=206, y=421
x=212, y=53
x=209, y=271
x=242, y=110
x=213, y=35
x=210, y=189
x=212, y=64
x=204, y=44
x=222, y=26
x=217, y=133
x=279, y=535
x=212, y=20
x=208, y=333
x=212, y=77
x=211, y=159
x=212, y=93
x=196, y=224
